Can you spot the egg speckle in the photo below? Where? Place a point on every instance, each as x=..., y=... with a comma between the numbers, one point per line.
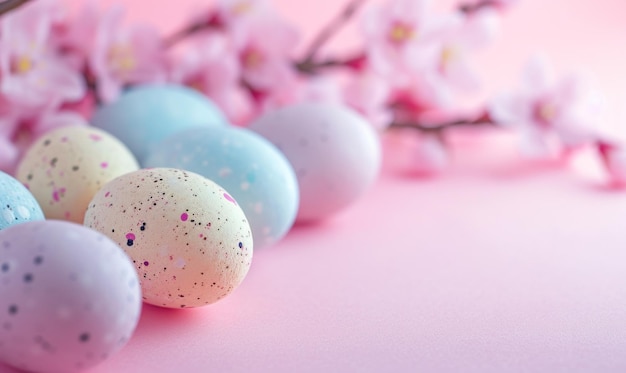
x=70, y=297
x=17, y=204
x=66, y=167
x=188, y=238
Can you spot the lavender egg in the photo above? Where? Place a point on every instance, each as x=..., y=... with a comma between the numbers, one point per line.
x=17, y=204
x=257, y=174
x=335, y=152
x=145, y=115
x=188, y=238
x=70, y=297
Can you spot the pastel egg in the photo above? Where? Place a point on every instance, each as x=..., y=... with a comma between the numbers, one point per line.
x=335, y=152
x=65, y=168
x=70, y=297
x=257, y=174
x=189, y=240
x=145, y=115
x=17, y=204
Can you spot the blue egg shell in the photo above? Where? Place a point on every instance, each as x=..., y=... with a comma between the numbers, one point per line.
x=146, y=115
x=17, y=204
x=249, y=167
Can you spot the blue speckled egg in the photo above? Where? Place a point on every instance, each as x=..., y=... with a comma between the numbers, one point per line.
x=249, y=167
x=145, y=115
x=17, y=204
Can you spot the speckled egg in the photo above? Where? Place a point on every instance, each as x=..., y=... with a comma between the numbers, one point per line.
x=65, y=168
x=147, y=114
x=189, y=239
x=70, y=297
x=335, y=152
x=17, y=204
x=251, y=168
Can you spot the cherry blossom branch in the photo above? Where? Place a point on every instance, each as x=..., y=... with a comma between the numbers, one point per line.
x=212, y=22
x=312, y=67
x=482, y=120
x=329, y=31
x=475, y=7
x=9, y=5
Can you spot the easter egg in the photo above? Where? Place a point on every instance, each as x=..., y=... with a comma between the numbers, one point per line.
x=189, y=239
x=65, y=168
x=335, y=152
x=145, y=115
x=257, y=174
x=17, y=204
x=70, y=297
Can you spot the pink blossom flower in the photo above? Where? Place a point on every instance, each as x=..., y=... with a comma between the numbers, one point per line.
x=457, y=44
x=369, y=94
x=264, y=53
x=122, y=56
x=212, y=67
x=232, y=11
x=31, y=74
x=17, y=132
x=401, y=34
x=553, y=115
x=614, y=158
x=314, y=89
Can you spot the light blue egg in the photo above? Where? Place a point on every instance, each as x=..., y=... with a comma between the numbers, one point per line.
x=249, y=167
x=17, y=204
x=145, y=115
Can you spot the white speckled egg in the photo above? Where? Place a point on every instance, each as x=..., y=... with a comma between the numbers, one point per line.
x=66, y=167
x=257, y=174
x=189, y=239
x=335, y=152
x=17, y=204
x=70, y=297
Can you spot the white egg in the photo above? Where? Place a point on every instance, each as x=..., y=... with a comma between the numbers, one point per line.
x=335, y=152
x=188, y=238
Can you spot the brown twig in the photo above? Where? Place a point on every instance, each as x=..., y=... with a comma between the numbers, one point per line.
x=329, y=31
x=311, y=67
x=9, y=5
x=475, y=7
x=212, y=22
x=438, y=128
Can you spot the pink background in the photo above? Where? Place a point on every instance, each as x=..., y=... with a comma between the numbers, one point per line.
x=498, y=265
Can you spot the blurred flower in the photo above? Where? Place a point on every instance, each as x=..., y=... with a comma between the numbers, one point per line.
x=401, y=34
x=457, y=44
x=212, y=67
x=17, y=133
x=232, y=11
x=120, y=56
x=414, y=153
x=436, y=86
x=369, y=94
x=614, y=158
x=31, y=74
x=265, y=52
x=544, y=109
x=315, y=89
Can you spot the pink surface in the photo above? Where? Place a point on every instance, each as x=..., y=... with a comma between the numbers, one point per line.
x=497, y=266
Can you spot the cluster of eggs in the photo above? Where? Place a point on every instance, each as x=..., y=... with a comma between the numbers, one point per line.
x=160, y=201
